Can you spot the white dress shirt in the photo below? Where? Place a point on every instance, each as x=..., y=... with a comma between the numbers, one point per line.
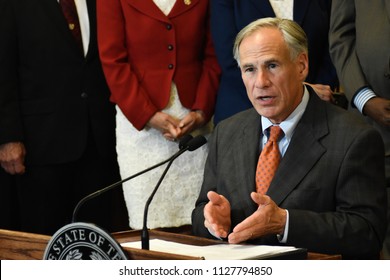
x=283, y=8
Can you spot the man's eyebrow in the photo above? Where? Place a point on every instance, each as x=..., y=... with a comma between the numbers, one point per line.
x=266, y=62
x=246, y=65
x=271, y=60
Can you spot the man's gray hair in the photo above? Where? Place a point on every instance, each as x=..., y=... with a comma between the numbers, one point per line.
x=293, y=35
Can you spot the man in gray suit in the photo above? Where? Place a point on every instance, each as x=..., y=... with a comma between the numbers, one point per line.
x=359, y=46
x=328, y=193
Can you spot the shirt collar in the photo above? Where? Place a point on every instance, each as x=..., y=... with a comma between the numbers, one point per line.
x=289, y=124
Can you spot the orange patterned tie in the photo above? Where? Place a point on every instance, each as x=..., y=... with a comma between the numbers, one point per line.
x=268, y=161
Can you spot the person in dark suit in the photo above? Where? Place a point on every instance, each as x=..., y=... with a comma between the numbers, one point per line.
x=57, y=124
x=328, y=193
x=228, y=17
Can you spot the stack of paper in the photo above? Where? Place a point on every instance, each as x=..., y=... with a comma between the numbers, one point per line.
x=214, y=252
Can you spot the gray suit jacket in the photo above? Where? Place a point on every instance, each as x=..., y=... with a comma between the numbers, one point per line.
x=331, y=179
x=359, y=45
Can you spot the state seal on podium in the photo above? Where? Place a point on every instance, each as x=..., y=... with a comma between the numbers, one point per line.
x=83, y=241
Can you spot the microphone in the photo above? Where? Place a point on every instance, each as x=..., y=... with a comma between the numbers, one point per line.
x=184, y=144
x=192, y=145
x=184, y=141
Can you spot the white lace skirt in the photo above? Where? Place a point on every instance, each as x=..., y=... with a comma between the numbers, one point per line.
x=137, y=150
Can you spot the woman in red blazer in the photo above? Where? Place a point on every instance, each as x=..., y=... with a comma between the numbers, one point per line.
x=162, y=71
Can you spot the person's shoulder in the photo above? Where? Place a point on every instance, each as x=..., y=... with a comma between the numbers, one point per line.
x=346, y=117
x=239, y=119
x=334, y=115
x=229, y=128
x=352, y=123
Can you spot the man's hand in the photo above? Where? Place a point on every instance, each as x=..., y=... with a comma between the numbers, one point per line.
x=323, y=91
x=12, y=157
x=217, y=215
x=378, y=109
x=267, y=219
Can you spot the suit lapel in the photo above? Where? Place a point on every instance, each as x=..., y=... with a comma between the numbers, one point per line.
x=245, y=157
x=182, y=6
x=264, y=7
x=53, y=11
x=148, y=8
x=303, y=152
x=299, y=10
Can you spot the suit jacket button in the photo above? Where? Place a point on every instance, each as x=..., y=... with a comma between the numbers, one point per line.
x=170, y=66
x=84, y=95
x=169, y=26
x=170, y=47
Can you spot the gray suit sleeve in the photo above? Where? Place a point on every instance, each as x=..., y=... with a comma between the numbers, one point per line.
x=342, y=39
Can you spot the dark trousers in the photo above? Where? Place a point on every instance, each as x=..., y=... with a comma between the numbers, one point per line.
x=48, y=194
x=386, y=243
x=9, y=208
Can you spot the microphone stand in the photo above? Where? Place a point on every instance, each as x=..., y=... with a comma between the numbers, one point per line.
x=183, y=144
x=193, y=144
x=145, y=232
x=99, y=192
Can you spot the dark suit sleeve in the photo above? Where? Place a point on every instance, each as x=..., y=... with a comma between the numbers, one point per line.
x=342, y=38
x=225, y=24
x=360, y=205
x=10, y=122
x=314, y=17
x=224, y=31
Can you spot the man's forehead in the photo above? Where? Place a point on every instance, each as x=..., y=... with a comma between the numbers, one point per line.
x=264, y=45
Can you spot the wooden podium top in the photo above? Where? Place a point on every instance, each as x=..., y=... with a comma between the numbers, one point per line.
x=16, y=245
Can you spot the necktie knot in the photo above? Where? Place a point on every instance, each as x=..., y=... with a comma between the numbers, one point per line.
x=275, y=133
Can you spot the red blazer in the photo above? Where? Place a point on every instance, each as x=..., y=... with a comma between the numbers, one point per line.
x=143, y=51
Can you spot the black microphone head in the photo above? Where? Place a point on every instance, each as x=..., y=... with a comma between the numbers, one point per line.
x=184, y=141
x=196, y=143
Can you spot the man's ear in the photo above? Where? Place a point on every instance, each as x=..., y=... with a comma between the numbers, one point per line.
x=303, y=65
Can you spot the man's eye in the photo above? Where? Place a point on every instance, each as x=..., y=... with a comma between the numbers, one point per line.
x=249, y=69
x=272, y=65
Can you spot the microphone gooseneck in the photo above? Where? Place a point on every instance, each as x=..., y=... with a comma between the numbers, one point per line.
x=183, y=145
x=192, y=145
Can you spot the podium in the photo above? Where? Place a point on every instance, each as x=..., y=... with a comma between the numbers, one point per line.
x=15, y=245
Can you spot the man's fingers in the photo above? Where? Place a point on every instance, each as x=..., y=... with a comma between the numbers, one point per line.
x=19, y=168
x=13, y=168
x=214, y=197
x=259, y=199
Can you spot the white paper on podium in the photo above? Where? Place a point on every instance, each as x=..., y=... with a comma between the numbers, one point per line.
x=213, y=252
